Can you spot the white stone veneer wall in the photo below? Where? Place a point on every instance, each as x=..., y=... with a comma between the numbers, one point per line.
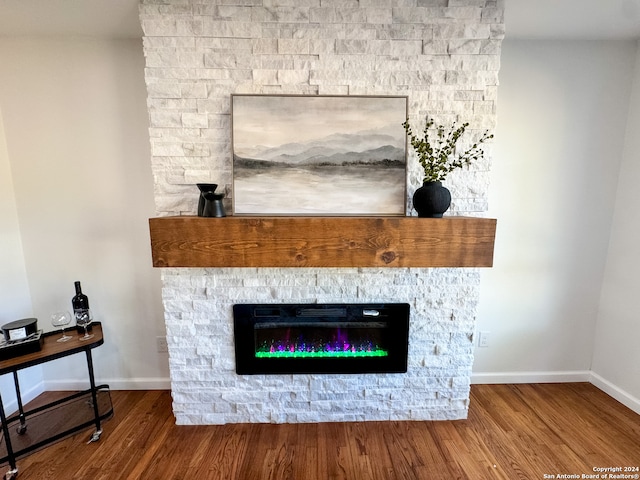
x=207, y=390
x=444, y=55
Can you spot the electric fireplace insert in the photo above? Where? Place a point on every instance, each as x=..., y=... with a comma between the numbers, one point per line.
x=321, y=338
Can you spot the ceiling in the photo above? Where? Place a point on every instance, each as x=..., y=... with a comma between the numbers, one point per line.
x=573, y=19
x=536, y=19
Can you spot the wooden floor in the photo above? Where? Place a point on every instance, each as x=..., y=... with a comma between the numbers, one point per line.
x=513, y=432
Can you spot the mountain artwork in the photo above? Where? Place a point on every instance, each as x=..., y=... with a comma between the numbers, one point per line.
x=318, y=155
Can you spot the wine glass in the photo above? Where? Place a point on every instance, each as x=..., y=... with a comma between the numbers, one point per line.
x=83, y=319
x=61, y=319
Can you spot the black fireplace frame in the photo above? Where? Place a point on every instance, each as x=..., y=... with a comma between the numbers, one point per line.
x=395, y=317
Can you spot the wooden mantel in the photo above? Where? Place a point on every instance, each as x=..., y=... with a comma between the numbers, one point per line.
x=189, y=241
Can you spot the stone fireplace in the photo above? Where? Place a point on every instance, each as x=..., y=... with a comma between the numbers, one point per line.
x=444, y=55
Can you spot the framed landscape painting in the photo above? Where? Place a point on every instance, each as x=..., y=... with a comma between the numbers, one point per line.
x=318, y=155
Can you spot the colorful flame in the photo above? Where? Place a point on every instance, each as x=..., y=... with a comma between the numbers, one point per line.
x=339, y=346
x=338, y=354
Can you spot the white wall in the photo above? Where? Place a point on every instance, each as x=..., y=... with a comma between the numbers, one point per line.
x=562, y=112
x=77, y=141
x=15, y=300
x=616, y=359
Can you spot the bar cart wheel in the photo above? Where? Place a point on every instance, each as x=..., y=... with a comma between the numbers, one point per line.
x=22, y=429
x=11, y=474
x=95, y=437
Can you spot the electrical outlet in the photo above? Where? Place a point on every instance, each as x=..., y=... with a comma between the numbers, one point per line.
x=483, y=338
x=161, y=343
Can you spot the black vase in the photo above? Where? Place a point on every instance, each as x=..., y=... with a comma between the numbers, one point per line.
x=210, y=202
x=431, y=200
x=204, y=188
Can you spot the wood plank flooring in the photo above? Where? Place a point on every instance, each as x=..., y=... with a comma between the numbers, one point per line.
x=513, y=432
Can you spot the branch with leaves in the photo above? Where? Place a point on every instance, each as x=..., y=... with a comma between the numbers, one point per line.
x=438, y=155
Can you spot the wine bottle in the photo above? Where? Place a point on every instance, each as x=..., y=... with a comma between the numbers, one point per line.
x=80, y=304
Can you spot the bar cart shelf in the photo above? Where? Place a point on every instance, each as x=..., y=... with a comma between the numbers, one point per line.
x=26, y=431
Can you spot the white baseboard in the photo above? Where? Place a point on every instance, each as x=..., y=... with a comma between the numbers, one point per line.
x=607, y=387
x=620, y=395
x=114, y=384
x=532, y=377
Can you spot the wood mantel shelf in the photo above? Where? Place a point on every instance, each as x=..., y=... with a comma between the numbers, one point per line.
x=190, y=241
